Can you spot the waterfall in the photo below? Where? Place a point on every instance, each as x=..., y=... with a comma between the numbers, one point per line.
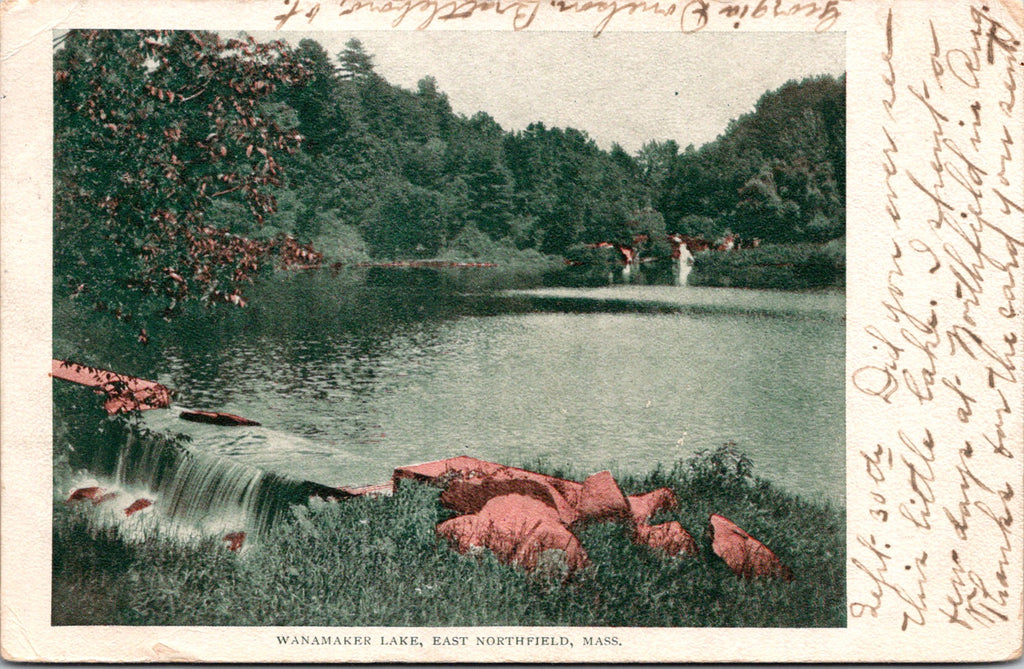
x=204, y=493
x=684, y=265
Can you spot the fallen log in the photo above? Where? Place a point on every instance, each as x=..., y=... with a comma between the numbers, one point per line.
x=215, y=418
x=124, y=393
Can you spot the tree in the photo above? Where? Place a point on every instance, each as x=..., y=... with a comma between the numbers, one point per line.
x=151, y=129
x=406, y=221
x=654, y=160
x=356, y=64
x=776, y=173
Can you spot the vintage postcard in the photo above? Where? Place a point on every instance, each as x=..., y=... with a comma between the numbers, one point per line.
x=512, y=330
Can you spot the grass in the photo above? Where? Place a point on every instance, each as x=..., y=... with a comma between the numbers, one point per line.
x=377, y=561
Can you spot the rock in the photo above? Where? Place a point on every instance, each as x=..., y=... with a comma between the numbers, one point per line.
x=138, y=505
x=644, y=506
x=601, y=499
x=82, y=494
x=124, y=393
x=469, y=496
x=441, y=471
x=235, y=540
x=517, y=529
x=745, y=555
x=95, y=494
x=669, y=537
x=465, y=468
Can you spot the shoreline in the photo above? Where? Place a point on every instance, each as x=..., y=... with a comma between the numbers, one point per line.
x=389, y=545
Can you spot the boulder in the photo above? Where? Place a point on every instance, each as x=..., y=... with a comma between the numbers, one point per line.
x=466, y=468
x=644, y=506
x=469, y=496
x=95, y=494
x=124, y=393
x=138, y=505
x=82, y=494
x=518, y=529
x=670, y=538
x=745, y=555
x=441, y=471
x=601, y=499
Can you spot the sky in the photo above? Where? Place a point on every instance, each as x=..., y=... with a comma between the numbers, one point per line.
x=620, y=87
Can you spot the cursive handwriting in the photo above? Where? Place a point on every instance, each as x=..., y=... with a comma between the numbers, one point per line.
x=942, y=359
x=688, y=16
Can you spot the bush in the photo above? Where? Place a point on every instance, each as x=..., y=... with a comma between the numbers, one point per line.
x=776, y=266
x=724, y=468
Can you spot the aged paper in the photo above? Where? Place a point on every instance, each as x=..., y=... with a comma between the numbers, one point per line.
x=934, y=327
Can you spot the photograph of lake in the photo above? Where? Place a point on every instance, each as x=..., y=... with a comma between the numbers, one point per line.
x=449, y=329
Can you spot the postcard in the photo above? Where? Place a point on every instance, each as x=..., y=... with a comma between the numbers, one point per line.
x=566, y=331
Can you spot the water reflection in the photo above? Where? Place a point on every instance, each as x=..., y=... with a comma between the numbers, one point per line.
x=353, y=379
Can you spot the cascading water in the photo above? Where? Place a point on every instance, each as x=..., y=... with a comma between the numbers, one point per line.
x=684, y=265
x=195, y=493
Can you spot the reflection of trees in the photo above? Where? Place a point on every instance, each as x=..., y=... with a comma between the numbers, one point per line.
x=313, y=340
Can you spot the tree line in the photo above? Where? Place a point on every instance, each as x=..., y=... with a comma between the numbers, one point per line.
x=186, y=163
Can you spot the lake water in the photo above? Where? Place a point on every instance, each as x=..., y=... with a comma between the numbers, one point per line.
x=351, y=381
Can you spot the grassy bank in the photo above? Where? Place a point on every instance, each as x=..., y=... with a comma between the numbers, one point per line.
x=777, y=266
x=378, y=562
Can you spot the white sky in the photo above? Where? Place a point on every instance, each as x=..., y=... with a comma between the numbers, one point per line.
x=624, y=87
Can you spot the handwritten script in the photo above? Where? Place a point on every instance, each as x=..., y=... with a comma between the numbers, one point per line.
x=941, y=532
x=688, y=16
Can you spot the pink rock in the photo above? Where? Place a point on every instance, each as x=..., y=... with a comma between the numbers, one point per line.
x=82, y=494
x=669, y=537
x=517, y=529
x=644, y=506
x=138, y=505
x=601, y=499
x=745, y=555
x=562, y=495
x=460, y=467
x=468, y=497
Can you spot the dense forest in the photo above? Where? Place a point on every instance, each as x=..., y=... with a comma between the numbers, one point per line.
x=186, y=164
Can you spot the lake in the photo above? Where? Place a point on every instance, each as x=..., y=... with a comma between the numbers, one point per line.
x=351, y=379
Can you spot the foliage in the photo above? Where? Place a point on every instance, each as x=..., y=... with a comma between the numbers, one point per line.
x=153, y=128
x=724, y=468
x=173, y=149
x=777, y=173
x=774, y=266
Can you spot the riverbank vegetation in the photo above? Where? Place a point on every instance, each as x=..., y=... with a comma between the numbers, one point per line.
x=304, y=570
x=777, y=266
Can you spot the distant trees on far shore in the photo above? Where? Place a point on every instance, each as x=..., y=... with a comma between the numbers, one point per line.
x=186, y=164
